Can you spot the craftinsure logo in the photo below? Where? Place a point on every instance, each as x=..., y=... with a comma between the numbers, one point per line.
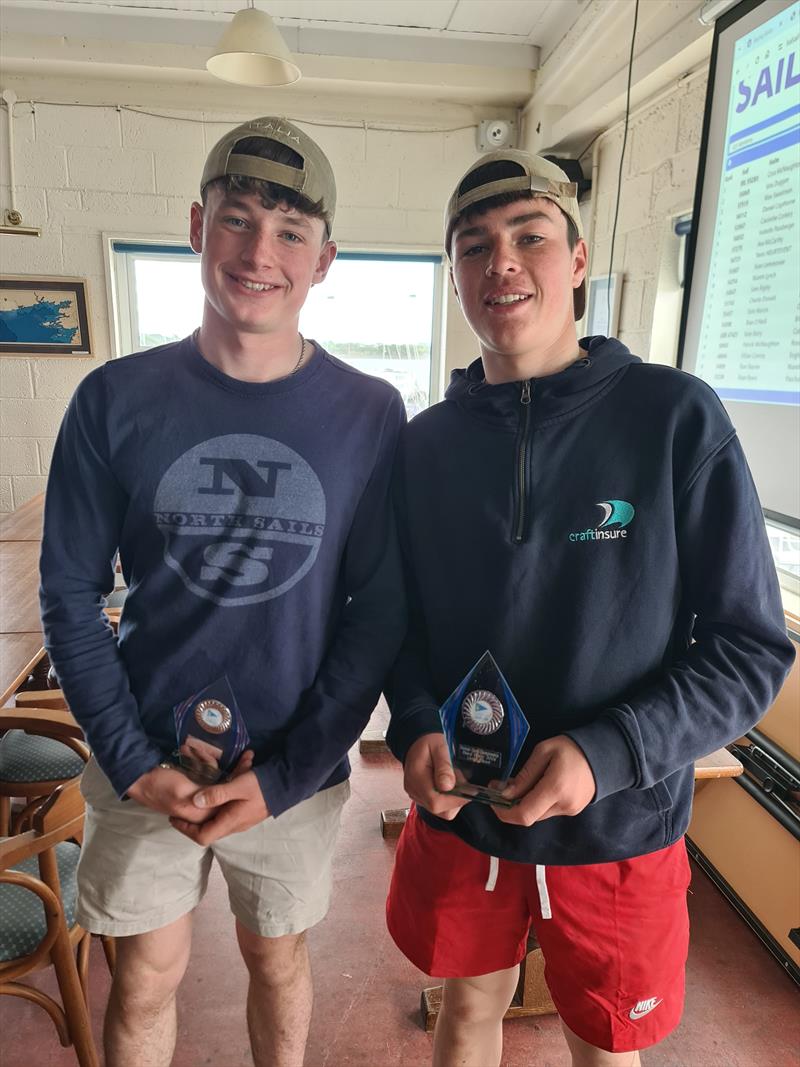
x=617, y=514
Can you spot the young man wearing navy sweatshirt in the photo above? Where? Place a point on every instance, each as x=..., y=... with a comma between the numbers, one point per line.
x=243, y=476
x=590, y=520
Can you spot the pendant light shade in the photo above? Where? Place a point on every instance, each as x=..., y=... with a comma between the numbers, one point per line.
x=252, y=52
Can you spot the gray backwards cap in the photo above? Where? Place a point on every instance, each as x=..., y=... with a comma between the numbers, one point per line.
x=537, y=176
x=314, y=180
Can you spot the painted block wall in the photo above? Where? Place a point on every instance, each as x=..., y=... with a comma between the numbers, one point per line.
x=658, y=182
x=82, y=171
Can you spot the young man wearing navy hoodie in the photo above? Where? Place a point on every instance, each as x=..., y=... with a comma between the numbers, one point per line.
x=590, y=520
x=243, y=475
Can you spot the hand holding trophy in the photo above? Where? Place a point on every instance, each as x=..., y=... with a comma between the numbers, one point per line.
x=211, y=733
x=485, y=730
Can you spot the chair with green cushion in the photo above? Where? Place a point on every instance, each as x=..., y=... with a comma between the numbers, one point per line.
x=32, y=766
x=37, y=901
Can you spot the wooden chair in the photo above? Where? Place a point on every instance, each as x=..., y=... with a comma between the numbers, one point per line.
x=37, y=899
x=34, y=762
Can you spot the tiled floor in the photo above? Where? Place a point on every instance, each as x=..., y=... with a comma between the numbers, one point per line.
x=741, y=1008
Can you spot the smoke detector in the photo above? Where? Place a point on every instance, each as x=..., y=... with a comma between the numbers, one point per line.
x=496, y=133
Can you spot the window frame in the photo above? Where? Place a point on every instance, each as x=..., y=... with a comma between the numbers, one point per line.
x=119, y=250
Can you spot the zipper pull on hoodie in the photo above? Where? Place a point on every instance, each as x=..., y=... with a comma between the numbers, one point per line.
x=522, y=463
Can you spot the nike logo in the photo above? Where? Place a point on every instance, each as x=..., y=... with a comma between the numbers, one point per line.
x=644, y=1007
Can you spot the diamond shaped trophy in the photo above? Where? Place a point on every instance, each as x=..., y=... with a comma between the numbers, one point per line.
x=211, y=733
x=485, y=730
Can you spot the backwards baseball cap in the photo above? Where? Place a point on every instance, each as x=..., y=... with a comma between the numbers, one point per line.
x=526, y=173
x=313, y=179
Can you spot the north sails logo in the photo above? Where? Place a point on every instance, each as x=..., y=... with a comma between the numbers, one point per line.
x=644, y=1007
x=617, y=514
x=242, y=517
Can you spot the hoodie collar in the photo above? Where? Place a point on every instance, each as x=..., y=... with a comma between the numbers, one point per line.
x=552, y=396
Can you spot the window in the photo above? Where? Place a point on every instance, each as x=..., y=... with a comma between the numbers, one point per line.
x=377, y=312
x=158, y=294
x=784, y=540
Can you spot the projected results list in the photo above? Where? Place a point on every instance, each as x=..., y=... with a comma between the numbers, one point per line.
x=750, y=336
x=750, y=339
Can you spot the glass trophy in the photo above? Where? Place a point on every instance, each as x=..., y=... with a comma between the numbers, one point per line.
x=485, y=730
x=211, y=733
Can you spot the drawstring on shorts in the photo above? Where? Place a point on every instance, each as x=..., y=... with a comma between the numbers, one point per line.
x=544, y=896
x=494, y=870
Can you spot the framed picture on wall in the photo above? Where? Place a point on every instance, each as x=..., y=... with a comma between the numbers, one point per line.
x=604, y=295
x=44, y=317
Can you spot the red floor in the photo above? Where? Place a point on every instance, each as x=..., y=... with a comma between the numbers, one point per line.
x=741, y=1008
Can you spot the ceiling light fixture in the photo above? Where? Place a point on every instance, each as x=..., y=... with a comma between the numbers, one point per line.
x=252, y=52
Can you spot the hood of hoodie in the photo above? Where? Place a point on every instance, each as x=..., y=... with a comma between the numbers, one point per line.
x=553, y=396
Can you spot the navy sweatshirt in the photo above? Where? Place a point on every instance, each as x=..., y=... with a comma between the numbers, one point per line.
x=599, y=532
x=253, y=523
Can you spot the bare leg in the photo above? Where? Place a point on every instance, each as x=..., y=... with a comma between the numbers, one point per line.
x=279, y=998
x=469, y=1030
x=140, y=1024
x=584, y=1055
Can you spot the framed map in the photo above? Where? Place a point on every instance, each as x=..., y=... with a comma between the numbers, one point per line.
x=44, y=317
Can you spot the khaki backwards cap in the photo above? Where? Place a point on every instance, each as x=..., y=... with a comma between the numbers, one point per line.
x=537, y=176
x=314, y=179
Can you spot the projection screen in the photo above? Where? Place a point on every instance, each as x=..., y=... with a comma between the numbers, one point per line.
x=740, y=328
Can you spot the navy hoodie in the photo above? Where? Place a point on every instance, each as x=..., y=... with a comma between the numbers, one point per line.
x=599, y=532
x=253, y=523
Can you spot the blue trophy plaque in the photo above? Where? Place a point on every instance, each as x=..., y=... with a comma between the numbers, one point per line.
x=485, y=730
x=211, y=733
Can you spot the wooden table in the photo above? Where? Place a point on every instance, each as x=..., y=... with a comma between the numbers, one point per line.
x=20, y=624
x=24, y=524
x=19, y=587
x=19, y=654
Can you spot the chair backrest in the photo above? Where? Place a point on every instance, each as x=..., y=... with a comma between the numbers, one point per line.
x=57, y=723
x=51, y=722
x=58, y=818
x=41, y=698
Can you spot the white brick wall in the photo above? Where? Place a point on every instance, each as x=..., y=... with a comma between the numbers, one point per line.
x=30, y=418
x=20, y=456
x=16, y=378
x=658, y=181
x=6, y=496
x=82, y=171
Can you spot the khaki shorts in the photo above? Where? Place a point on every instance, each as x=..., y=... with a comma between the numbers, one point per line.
x=137, y=873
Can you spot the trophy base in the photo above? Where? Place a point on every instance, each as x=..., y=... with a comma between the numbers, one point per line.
x=199, y=774
x=481, y=793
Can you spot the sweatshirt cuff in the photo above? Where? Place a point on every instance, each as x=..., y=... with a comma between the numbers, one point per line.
x=270, y=778
x=404, y=731
x=605, y=746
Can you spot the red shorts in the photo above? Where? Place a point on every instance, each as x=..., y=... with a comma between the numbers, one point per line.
x=615, y=936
